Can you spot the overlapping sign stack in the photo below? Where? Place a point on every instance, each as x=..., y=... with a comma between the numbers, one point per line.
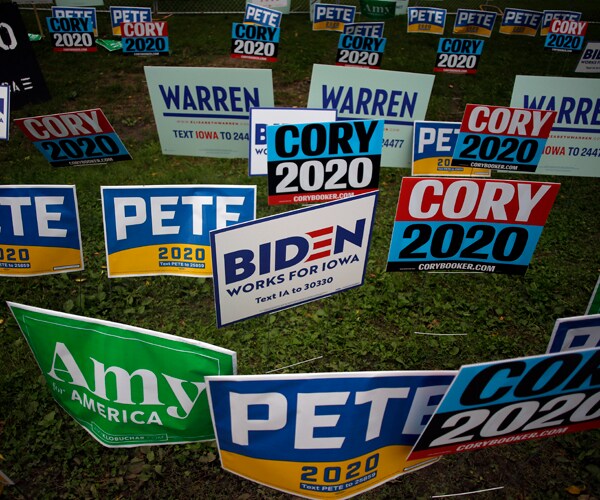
x=318, y=435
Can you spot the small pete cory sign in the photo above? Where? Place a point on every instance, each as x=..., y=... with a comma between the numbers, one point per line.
x=126, y=386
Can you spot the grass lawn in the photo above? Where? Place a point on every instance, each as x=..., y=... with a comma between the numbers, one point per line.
x=368, y=328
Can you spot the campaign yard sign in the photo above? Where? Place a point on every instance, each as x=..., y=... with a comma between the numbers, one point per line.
x=433, y=146
x=520, y=22
x=4, y=112
x=502, y=138
x=250, y=41
x=332, y=17
x=330, y=435
x=361, y=51
x=426, y=20
x=315, y=162
x=564, y=15
x=143, y=38
x=458, y=55
x=120, y=15
x=75, y=138
x=576, y=333
x=514, y=400
x=573, y=147
x=260, y=118
x=291, y=258
x=474, y=22
x=124, y=385
x=374, y=29
x=590, y=59
x=282, y=6
x=262, y=16
x=39, y=230
x=472, y=225
x=397, y=98
x=71, y=34
x=594, y=305
x=205, y=111
x=566, y=36
x=79, y=13
x=18, y=65
x=152, y=230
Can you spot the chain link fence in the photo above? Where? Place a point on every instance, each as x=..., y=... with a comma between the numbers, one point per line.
x=297, y=6
x=590, y=8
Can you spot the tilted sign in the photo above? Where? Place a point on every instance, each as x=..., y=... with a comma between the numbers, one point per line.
x=426, y=20
x=75, y=138
x=502, y=138
x=291, y=258
x=433, y=146
x=250, y=41
x=120, y=15
x=78, y=13
x=564, y=15
x=514, y=400
x=573, y=147
x=18, y=66
x=474, y=22
x=145, y=38
x=165, y=229
x=576, y=333
x=473, y=225
x=566, y=36
x=260, y=118
x=39, y=230
x=361, y=51
x=4, y=112
x=590, y=59
x=458, y=55
x=332, y=17
x=520, y=22
x=395, y=97
x=262, y=16
x=205, y=111
x=126, y=386
x=323, y=435
x=71, y=34
x=318, y=162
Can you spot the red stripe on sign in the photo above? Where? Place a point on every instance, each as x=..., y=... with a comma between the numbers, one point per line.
x=499, y=440
x=566, y=27
x=322, y=243
x=144, y=29
x=500, y=120
x=320, y=255
x=65, y=125
x=475, y=200
x=320, y=197
x=320, y=232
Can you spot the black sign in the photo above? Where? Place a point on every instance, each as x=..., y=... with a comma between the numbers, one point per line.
x=18, y=66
